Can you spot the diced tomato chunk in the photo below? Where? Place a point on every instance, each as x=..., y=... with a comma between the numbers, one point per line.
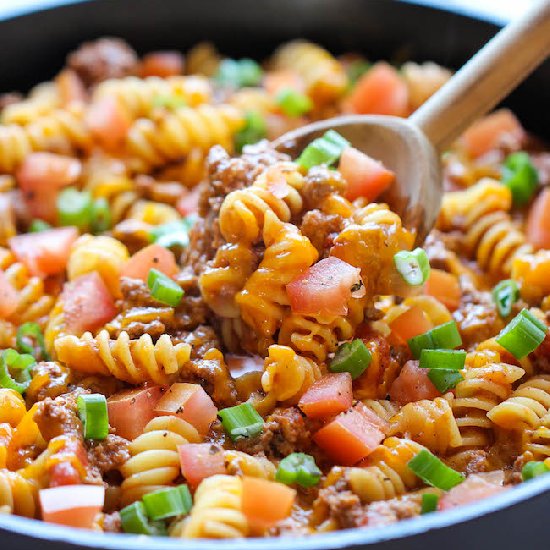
x=328, y=396
x=498, y=129
x=40, y=178
x=191, y=403
x=163, y=64
x=64, y=473
x=188, y=202
x=412, y=384
x=131, y=410
x=380, y=91
x=409, y=324
x=351, y=436
x=72, y=505
x=475, y=487
x=325, y=288
x=150, y=257
x=445, y=287
x=108, y=121
x=87, y=303
x=365, y=176
x=8, y=297
x=44, y=253
x=200, y=460
x=265, y=502
x=538, y=221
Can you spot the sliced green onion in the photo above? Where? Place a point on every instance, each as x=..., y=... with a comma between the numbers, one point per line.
x=37, y=226
x=521, y=177
x=324, y=150
x=254, y=130
x=163, y=288
x=533, y=469
x=356, y=69
x=171, y=234
x=523, y=335
x=445, y=336
x=92, y=410
x=134, y=520
x=434, y=472
x=449, y=359
x=298, y=468
x=293, y=103
x=444, y=379
x=32, y=332
x=239, y=73
x=429, y=503
x=101, y=219
x=413, y=266
x=15, y=370
x=353, y=357
x=170, y=102
x=505, y=295
x=168, y=503
x=241, y=421
x=74, y=207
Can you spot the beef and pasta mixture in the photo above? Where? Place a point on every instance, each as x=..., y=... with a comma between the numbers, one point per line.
x=205, y=338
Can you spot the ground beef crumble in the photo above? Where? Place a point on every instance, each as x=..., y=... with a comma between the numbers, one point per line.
x=109, y=454
x=102, y=59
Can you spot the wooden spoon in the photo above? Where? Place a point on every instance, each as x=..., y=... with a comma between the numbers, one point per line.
x=411, y=147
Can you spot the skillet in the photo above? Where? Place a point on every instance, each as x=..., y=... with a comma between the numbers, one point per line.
x=33, y=47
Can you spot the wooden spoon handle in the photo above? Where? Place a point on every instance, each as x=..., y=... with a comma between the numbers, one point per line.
x=487, y=78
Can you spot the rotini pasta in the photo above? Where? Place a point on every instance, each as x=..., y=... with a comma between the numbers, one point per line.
x=217, y=510
x=178, y=133
x=387, y=474
x=324, y=77
x=154, y=463
x=286, y=376
x=263, y=299
x=430, y=423
x=243, y=212
x=134, y=361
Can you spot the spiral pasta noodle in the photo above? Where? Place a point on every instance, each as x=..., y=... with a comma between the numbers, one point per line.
x=263, y=299
x=217, y=510
x=490, y=235
x=387, y=474
x=430, y=423
x=61, y=131
x=324, y=77
x=42, y=100
x=383, y=408
x=316, y=338
x=134, y=361
x=202, y=59
x=526, y=407
x=17, y=495
x=33, y=304
x=154, y=462
x=243, y=464
x=138, y=95
x=243, y=212
x=225, y=277
x=287, y=375
x=482, y=389
x=176, y=134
